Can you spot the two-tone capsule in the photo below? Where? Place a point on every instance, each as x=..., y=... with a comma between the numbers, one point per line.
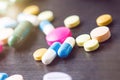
x=66, y=47
x=3, y=76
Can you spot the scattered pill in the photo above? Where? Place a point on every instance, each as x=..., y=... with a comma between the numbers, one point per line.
x=15, y=77
x=81, y=39
x=104, y=20
x=21, y=32
x=57, y=76
x=5, y=33
x=91, y=45
x=46, y=15
x=66, y=47
x=46, y=27
x=1, y=48
x=72, y=21
x=58, y=35
x=33, y=9
x=100, y=33
x=3, y=76
x=51, y=53
x=37, y=55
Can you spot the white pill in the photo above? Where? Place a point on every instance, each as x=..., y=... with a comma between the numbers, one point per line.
x=57, y=76
x=15, y=77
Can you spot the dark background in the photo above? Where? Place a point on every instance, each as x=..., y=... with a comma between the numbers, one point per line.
x=102, y=64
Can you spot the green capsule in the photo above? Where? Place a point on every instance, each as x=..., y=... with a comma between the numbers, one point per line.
x=21, y=32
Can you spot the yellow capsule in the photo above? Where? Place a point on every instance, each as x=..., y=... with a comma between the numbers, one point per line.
x=37, y=55
x=104, y=20
x=33, y=9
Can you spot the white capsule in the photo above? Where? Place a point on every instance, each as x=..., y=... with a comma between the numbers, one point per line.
x=15, y=77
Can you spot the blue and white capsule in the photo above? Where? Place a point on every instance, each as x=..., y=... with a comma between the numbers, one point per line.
x=51, y=53
x=3, y=76
x=66, y=47
x=46, y=27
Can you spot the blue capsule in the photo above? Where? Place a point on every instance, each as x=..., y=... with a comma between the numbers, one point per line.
x=3, y=76
x=66, y=47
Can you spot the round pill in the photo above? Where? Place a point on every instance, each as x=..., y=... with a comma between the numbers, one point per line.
x=58, y=35
x=3, y=76
x=57, y=76
x=81, y=39
x=5, y=33
x=91, y=45
x=72, y=21
x=104, y=20
x=100, y=33
x=37, y=55
x=33, y=9
x=15, y=77
x=46, y=15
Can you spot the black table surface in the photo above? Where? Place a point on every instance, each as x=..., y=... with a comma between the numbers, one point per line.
x=102, y=64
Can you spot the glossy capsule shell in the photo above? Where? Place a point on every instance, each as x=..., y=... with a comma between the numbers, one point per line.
x=20, y=34
x=51, y=53
x=46, y=27
x=66, y=47
x=3, y=76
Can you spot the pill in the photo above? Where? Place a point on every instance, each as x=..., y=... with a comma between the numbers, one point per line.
x=46, y=27
x=57, y=76
x=1, y=48
x=37, y=55
x=28, y=17
x=51, y=53
x=20, y=34
x=91, y=45
x=104, y=20
x=58, y=35
x=72, y=21
x=46, y=15
x=15, y=77
x=81, y=39
x=33, y=9
x=7, y=22
x=3, y=76
x=66, y=48
x=100, y=33
x=5, y=33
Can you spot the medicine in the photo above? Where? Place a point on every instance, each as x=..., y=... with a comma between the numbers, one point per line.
x=51, y=53
x=46, y=27
x=46, y=15
x=81, y=39
x=58, y=35
x=100, y=33
x=20, y=34
x=33, y=9
x=66, y=47
x=15, y=77
x=37, y=55
x=57, y=76
x=3, y=76
x=72, y=21
x=1, y=48
x=5, y=33
x=104, y=20
x=91, y=45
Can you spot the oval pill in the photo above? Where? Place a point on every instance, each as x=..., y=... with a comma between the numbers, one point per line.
x=81, y=39
x=46, y=15
x=57, y=76
x=1, y=48
x=46, y=27
x=66, y=47
x=51, y=53
x=3, y=76
x=91, y=45
x=33, y=9
x=20, y=34
x=58, y=35
x=100, y=33
x=104, y=20
x=37, y=55
x=72, y=21
x=15, y=77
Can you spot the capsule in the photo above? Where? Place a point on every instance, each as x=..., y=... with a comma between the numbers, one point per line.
x=46, y=27
x=20, y=33
x=51, y=53
x=15, y=77
x=3, y=76
x=66, y=47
